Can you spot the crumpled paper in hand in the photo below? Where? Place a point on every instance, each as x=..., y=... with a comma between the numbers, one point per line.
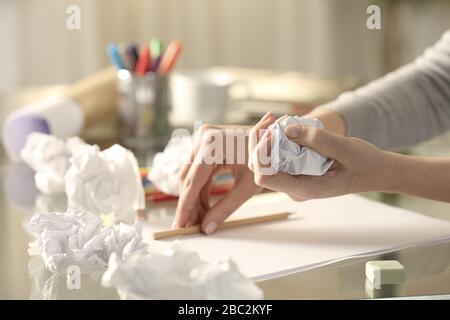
x=105, y=182
x=166, y=165
x=293, y=158
x=177, y=274
x=75, y=238
x=49, y=157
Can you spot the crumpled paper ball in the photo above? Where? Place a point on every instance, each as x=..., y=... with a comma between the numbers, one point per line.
x=75, y=238
x=105, y=183
x=166, y=165
x=45, y=285
x=177, y=274
x=293, y=158
x=49, y=157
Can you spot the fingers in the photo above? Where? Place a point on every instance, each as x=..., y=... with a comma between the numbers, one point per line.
x=255, y=134
x=204, y=196
x=300, y=187
x=186, y=166
x=262, y=154
x=240, y=193
x=326, y=143
x=270, y=178
x=262, y=158
x=198, y=139
x=198, y=176
x=202, y=206
x=194, y=179
x=195, y=215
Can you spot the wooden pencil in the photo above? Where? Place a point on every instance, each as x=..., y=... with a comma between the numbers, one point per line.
x=225, y=225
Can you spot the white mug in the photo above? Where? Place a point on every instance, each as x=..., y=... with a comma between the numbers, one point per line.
x=199, y=96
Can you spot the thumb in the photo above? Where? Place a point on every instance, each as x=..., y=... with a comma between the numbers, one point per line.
x=326, y=143
x=225, y=207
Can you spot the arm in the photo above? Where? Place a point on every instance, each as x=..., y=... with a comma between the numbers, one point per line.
x=401, y=109
x=359, y=167
x=420, y=176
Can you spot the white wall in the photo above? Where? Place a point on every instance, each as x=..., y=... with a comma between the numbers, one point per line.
x=322, y=36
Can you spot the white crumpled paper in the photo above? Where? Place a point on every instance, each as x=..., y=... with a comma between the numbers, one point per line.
x=49, y=158
x=105, y=183
x=177, y=274
x=45, y=285
x=293, y=158
x=75, y=238
x=166, y=165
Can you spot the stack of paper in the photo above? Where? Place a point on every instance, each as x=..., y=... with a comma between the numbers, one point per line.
x=319, y=232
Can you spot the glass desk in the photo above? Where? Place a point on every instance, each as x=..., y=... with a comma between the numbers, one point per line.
x=427, y=268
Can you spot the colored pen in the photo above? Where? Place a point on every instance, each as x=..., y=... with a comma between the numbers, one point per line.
x=114, y=56
x=170, y=57
x=144, y=61
x=156, y=48
x=132, y=54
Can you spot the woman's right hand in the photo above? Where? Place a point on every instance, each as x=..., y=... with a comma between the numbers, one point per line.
x=196, y=176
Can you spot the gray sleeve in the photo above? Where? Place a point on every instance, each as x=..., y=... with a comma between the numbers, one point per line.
x=405, y=107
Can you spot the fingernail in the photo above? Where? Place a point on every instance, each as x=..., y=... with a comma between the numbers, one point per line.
x=174, y=225
x=293, y=131
x=210, y=227
x=267, y=115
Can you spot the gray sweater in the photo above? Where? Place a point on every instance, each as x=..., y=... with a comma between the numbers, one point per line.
x=405, y=107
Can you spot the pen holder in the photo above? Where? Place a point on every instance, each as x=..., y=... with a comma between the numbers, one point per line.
x=144, y=111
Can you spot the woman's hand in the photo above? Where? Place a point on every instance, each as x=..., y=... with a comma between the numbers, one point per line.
x=206, y=162
x=358, y=166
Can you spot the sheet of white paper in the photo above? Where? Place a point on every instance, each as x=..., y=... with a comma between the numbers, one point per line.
x=320, y=231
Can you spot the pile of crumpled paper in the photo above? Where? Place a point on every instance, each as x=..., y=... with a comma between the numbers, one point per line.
x=76, y=237
x=101, y=183
x=177, y=273
x=49, y=157
x=104, y=182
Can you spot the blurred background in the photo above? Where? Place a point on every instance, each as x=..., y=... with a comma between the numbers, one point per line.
x=327, y=37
